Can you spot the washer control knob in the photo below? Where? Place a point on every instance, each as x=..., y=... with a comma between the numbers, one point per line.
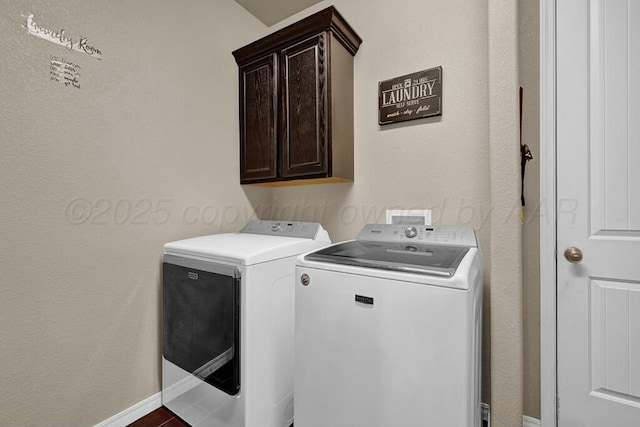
x=276, y=227
x=411, y=232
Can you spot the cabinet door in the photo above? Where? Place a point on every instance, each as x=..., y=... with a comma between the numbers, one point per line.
x=304, y=140
x=258, y=118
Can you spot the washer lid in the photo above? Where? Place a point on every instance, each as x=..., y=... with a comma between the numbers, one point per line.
x=441, y=260
x=258, y=241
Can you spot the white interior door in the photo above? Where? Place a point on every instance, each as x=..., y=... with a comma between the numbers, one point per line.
x=598, y=209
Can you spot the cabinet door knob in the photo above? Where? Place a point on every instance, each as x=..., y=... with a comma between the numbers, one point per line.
x=573, y=254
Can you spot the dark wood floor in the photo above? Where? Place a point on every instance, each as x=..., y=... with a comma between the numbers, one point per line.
x=160, y=417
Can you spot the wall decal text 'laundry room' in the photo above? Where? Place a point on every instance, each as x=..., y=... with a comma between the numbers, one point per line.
x=60, y=38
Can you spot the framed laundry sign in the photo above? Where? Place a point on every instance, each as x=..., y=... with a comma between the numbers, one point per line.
x=409, y=97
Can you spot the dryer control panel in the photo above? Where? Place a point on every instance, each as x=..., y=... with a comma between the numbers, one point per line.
x=304, y=230
x=453, y=235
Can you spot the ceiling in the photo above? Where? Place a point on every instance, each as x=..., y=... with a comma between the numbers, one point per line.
x=273, y=11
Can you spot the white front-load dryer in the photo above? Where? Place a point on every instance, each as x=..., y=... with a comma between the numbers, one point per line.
x=388, y=330
x=227, y=327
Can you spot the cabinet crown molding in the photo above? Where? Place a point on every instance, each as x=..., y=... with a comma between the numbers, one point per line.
x=325, y=20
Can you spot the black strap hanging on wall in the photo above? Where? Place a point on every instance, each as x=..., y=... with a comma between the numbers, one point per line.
x=525, y=156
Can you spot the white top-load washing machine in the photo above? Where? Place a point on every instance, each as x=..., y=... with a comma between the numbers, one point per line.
x=228, y=334
x=388, y=330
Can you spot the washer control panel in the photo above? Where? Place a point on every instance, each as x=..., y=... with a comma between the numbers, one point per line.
x=453, y=235
x=305, y=230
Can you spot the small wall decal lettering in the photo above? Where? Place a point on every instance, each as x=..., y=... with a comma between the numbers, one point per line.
x=64, y=72
x=60, y=38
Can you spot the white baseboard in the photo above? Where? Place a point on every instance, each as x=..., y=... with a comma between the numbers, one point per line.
x=133, y=413
x=530, y=422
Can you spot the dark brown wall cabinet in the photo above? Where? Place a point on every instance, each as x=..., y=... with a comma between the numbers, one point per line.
x=296, y=103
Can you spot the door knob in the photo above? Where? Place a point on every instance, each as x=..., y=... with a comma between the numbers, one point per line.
x=573, y=254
